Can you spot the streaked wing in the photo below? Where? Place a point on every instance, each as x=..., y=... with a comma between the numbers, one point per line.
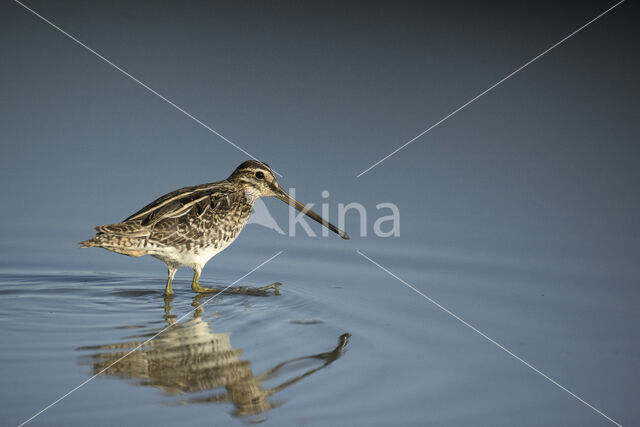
x=197, y=215
x=180, y=202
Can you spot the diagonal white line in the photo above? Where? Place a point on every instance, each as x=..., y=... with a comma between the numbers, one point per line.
x=174, y=105
x=140, y=346
x=491, y=340
x=517, y=70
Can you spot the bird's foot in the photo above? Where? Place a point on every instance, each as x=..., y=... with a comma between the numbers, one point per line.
x=202, y=289
x=272, y=289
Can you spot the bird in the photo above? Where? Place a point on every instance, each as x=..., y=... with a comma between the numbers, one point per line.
x=189, y=226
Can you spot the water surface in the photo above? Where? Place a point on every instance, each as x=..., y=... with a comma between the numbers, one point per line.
x=343, y=343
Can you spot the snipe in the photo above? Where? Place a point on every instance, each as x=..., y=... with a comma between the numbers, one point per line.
x=187, y=227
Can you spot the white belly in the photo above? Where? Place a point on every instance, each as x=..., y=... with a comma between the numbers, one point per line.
x=195, y=258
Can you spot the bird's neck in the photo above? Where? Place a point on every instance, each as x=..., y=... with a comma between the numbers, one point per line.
x=251, y=194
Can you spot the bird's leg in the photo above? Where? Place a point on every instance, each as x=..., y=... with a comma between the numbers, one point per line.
x=195, y=283
x=245, y=290
x=168, y=290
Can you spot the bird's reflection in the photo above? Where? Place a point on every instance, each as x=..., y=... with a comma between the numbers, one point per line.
x=189, y=358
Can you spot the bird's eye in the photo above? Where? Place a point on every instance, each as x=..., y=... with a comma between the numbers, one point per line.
x=259, y=175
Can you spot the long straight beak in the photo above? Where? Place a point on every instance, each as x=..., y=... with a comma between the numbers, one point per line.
x=282, y=195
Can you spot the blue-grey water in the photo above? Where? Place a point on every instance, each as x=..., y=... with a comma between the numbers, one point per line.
x=519, y=214
x=407, y=362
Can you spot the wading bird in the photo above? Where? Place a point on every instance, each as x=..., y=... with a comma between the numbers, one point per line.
x=187, y=227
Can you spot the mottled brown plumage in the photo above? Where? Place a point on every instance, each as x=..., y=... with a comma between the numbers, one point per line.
x=189, y=226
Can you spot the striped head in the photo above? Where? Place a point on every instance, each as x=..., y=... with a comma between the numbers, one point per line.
x=258, y=180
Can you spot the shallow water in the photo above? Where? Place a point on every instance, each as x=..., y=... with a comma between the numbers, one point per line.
x=519, y=213
x=285, y=359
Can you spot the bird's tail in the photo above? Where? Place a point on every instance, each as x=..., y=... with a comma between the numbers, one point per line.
x=132, y=245
x=90, y=243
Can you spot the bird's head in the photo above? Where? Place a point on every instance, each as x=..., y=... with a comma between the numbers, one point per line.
x=258, y=179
